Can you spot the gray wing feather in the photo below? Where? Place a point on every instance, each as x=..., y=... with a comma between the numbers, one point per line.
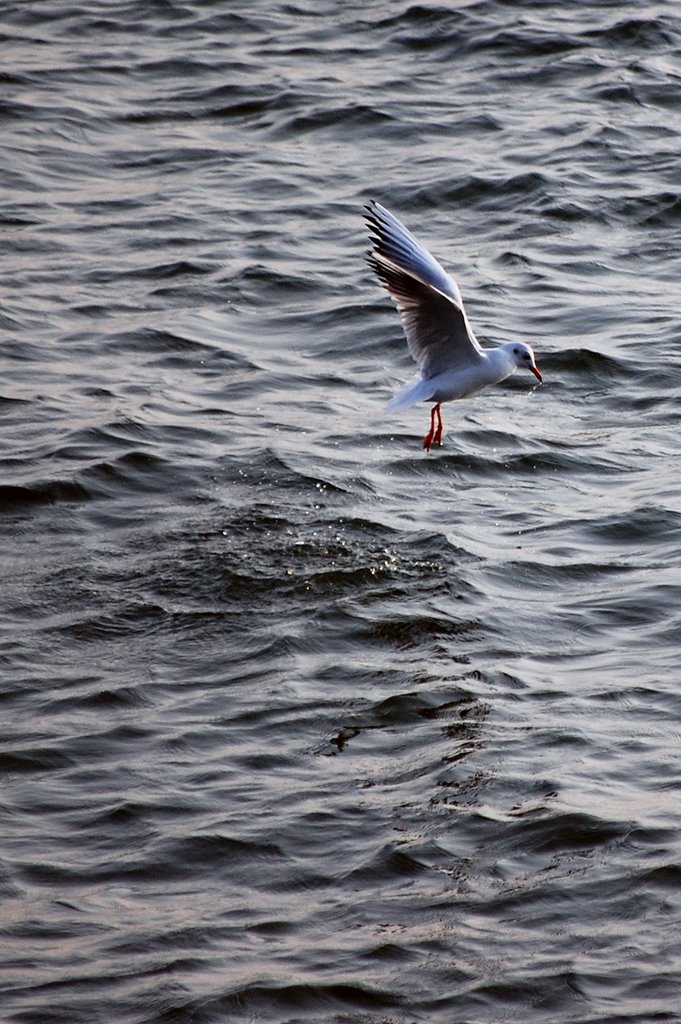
x=428, y=299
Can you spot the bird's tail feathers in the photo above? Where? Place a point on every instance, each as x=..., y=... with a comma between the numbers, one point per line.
x=418, y=391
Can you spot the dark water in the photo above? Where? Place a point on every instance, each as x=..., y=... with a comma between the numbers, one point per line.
x=299, y=723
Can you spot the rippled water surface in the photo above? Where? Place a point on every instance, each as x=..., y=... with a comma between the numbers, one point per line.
x=298, y=722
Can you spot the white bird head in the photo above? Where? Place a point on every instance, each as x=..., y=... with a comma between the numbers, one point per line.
x=524, y=356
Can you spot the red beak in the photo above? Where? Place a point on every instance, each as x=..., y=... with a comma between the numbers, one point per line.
x=536, y=372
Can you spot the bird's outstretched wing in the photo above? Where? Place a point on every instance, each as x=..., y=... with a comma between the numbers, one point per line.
x=428, y=299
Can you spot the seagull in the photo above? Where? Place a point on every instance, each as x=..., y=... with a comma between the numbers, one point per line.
x=439, y=336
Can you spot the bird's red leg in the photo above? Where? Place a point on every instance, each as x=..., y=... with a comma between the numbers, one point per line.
x=438, y=433
x=434, y=435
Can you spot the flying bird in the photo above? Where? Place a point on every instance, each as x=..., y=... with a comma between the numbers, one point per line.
x=439, y=336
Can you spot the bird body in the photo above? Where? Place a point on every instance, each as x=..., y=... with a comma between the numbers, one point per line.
x=493, y=366
x=453, y=365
